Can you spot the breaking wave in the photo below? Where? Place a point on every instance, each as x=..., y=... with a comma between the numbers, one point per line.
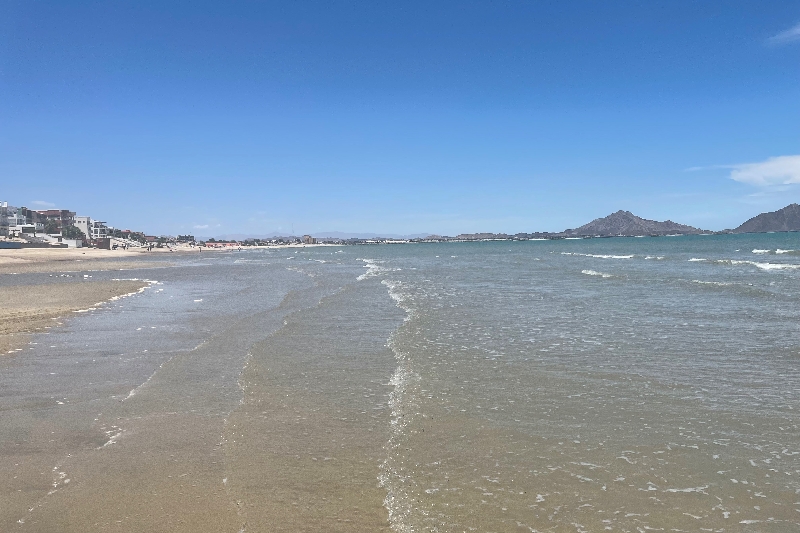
x=600, y=256
x=596, y=273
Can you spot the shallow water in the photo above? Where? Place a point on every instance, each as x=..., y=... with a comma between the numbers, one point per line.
x=583, y=385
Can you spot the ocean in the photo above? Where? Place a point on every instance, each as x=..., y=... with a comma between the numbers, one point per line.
x=624, y=384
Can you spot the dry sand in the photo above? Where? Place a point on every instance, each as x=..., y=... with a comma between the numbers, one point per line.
x=30, y=260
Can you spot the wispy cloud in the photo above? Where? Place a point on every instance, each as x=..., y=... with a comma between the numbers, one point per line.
x=42, y=203
x=783, y=170
x=787, y=36
x=201, y=226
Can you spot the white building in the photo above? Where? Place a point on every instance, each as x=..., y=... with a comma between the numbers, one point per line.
x=93, y=229
x=14, y=224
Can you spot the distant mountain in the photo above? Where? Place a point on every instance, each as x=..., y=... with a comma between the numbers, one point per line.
x=626, y=223
x=786, y=219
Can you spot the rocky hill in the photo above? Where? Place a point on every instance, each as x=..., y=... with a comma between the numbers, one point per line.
x=786, y=219
x=627, y=224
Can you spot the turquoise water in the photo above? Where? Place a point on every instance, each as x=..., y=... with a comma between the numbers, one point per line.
x=626, y=384
x=607, y=384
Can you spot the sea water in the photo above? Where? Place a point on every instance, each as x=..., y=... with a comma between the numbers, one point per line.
x=625, y=384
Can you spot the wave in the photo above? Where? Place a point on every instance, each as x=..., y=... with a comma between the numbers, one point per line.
x=763, y=266
x=96, y=306
x=402, y=403
x=596, y=273
x=757, y=251
x=600, y=256
x=251, y=261
x=775, y=266
x=757, y=264
x=715, y=283
x=374, y=268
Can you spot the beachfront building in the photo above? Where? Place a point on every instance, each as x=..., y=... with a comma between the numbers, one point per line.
x=308, y=239
x=3, y=219
x=14, y=216
x=93, y=229
x=85, y=225
x=53, y=220
x=17, y=221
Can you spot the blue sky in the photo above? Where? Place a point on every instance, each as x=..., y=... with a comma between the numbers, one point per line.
x=446, y=117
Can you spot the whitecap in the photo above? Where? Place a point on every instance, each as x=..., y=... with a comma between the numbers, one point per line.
x=374, y=268
x=717, y=283
x=595, y=273
x=763, y=266
x=600, y=256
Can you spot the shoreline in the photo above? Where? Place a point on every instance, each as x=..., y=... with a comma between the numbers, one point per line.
x=29, y=309
x=44, y=260
x=29, y=260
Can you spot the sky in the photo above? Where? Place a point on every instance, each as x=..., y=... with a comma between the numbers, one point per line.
x=216, y=118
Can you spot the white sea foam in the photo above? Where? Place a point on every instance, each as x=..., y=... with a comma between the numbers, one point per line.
x=121, y=296
x=596, y=273
x=402, y=402
x=717, y=283
x=600, y=256
x=697, y=259
x=374, y=268
x=656, y=257
x=765, y=266
x=779, y=251
x=701, y=490
x=757, y=251
x=113, y=434
x=757, y=264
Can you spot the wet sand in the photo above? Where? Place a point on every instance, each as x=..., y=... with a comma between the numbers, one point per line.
x=25, y=309
x=192, y=408
x=28, y=308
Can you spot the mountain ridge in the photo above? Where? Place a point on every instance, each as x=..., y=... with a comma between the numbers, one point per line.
x=625, y=223
x=786, y=219
x=618, y=224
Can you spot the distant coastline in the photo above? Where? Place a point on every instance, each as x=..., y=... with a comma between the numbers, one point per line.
x=618, y=224
x=626, y=224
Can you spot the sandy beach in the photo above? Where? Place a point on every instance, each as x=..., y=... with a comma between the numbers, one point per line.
x=27, y=308
x=30, y=260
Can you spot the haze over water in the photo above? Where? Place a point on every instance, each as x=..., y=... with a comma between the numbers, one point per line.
x=627, y=384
